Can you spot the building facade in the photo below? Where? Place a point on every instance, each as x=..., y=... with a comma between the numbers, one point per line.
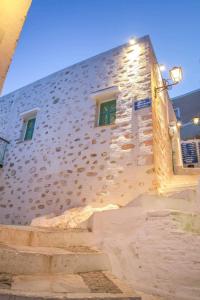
x=93, y=133
x=187, y=107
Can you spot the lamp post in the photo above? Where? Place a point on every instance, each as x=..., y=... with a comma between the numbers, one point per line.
x=175, y=77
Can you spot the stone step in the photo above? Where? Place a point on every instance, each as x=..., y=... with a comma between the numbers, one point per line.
x=30, y=260
x=44, y=237
x=91, y=285
x=180, y=183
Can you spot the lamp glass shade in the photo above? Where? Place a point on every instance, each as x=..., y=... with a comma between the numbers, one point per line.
x=196, y=120
x=176, y=74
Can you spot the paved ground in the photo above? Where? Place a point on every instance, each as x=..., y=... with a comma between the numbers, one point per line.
x=98, y=282
x=90, y=282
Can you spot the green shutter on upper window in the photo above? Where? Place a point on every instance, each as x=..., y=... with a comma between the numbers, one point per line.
x=29, y=129
x=107, y=113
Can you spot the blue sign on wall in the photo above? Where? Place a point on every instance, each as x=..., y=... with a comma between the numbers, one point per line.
x=189, y=153
x=142, y=103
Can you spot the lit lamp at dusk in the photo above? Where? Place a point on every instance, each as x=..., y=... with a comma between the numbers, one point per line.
x=162, y=68
x=132, y=41
x=176, y=74
x=196, y=120
x=179, y=124
x=175, y=77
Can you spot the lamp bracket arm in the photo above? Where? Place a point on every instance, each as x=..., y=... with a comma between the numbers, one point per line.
x=165, y=86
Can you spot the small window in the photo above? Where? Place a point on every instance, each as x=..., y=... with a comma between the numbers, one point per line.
x=29, y=129
x=28, y=119
x=107, y=112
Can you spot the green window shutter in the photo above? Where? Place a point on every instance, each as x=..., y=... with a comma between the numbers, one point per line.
x=29, y=129
x=107, y=113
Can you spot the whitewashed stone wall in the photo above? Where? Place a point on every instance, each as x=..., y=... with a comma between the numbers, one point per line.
x=70, y=161
x=5, y=108
x=156, y=250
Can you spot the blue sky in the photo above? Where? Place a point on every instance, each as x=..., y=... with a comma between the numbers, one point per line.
x=58, y=33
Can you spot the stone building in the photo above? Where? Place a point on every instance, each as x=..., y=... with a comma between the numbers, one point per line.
x=93, y=133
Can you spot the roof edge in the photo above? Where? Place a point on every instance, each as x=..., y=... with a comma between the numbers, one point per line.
x=186, y=94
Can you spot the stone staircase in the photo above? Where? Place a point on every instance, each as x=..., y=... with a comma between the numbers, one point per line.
x=43, y=263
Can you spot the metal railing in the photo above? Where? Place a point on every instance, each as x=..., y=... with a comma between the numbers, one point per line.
x=3, y=145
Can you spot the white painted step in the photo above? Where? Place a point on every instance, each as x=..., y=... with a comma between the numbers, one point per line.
x=181, y=201
x=43, y=237
x=92, y=285
x=31, y=260
x=180, y=183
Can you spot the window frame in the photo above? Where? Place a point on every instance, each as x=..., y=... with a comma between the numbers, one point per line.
x=99, y=111
x=24, y=118
x=26, y=121
x=104, y=95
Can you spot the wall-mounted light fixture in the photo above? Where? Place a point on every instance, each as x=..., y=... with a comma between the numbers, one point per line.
x=132, y=41
x=162, y=68
x=176, y=74
x=196, y=120
x=175, y=77
x=179, y=124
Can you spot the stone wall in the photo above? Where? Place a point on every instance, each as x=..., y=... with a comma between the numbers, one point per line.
x=162, y=145
x=155, y=250
x=70, y=161
x=5, y=109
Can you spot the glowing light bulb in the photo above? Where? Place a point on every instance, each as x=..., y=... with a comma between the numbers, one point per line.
x=162, y=67
x=132, y=41
x=179, y=124
x=196, y=120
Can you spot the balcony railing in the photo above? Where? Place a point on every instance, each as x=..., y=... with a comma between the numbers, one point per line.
x=3, y=145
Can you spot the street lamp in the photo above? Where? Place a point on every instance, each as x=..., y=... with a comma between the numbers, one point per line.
x=179, y=123
x=196, y=120
x=176, y=74
x=175, y=77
